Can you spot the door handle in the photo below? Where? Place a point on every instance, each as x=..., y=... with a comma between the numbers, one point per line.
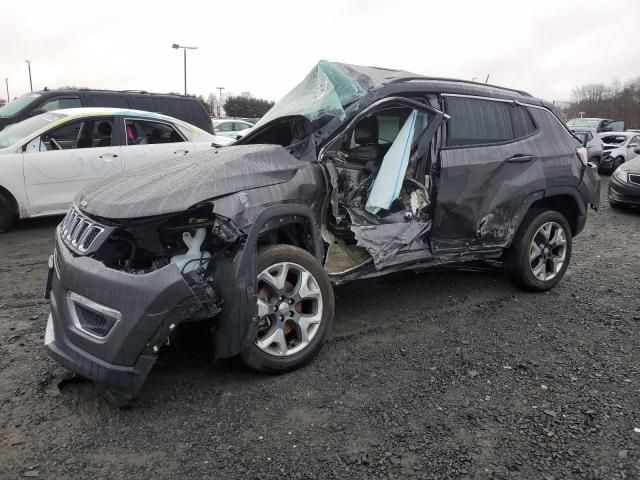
x=108, y=155
x=183, y=152
x=519, y=159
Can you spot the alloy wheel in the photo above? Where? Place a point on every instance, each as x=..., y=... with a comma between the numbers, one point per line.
x=289, y=307
x=548, y=251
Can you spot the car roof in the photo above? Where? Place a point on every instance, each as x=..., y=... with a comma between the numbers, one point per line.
x=93, y=111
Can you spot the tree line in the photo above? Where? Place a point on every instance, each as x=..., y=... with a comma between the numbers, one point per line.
x=618, y=101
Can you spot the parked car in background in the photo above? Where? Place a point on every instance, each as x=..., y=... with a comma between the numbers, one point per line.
x=597, y=124
x=184, y=108
x=46, y=159
x=230, y=127
x=591, y=141
x=357, y=172
x=624, y=186
x=618, y=147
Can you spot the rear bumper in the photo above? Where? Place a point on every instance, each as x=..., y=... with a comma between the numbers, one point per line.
x=625, y=193
x=146, y=308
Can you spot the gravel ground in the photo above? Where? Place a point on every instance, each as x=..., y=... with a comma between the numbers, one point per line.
x=432, y=375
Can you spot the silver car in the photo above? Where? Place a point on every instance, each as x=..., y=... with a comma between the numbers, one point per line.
x=229, y=127
x=591, y=141
x=618, y=147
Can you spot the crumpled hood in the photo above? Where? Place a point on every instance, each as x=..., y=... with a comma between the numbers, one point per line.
x=174, y=185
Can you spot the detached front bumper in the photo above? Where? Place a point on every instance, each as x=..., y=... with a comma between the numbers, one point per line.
x=108, y=325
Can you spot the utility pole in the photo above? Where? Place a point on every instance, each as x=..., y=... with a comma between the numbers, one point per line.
x=28, y=62
x=184, y=49
x=220, y=89
x=6, y=80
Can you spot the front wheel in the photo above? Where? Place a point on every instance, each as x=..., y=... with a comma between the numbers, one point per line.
x=295, y=308
x=540, y=252
x=616, y=163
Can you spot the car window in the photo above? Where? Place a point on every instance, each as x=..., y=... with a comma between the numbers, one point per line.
x=92, y=133
x=18, y=104
x=225, y=127
x=59, y=103
x=23, y=130
x=106, y=100
x=523, y=125
x=635, y=140
x=582, y=136
x=477, y=122
x=148, y=132
x=237, y=126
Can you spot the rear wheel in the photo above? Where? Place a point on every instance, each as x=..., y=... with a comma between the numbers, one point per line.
x=295, y=306
x=7, y=214
x=540, y=252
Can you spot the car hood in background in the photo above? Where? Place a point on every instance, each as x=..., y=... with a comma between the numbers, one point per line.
x=632, y=166
x=174, y=185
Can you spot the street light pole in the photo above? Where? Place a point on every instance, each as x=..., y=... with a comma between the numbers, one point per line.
x=28, y=62
x=220, y=89
x=6, y=80
x=184, y=49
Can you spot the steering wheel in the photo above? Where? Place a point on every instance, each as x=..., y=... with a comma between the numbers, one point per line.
x=55, y=143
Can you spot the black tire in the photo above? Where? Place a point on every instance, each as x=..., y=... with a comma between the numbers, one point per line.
x=260, y=360
x=516, y=260
x=616, y=163
x=7, y=214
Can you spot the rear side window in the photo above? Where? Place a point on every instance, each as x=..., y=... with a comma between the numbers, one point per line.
x=481, y=122
x=106, y=100
x=59, y=103
x=477, y=122
x=148, y=132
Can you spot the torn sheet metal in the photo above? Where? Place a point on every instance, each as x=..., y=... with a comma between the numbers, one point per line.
x=384, y=240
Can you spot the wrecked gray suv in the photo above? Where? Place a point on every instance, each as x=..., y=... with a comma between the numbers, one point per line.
x=356, y=173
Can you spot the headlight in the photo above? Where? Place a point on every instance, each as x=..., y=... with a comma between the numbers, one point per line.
x=620, y=175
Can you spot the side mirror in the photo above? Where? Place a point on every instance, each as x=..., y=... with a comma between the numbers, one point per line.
x=37, y=111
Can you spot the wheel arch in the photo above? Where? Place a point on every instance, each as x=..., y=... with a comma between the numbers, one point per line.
x=14, y=202
x=568, y=202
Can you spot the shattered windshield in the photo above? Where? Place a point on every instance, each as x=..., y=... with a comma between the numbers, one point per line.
x=325, y=91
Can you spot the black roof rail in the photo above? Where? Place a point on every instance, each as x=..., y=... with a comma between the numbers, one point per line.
x=134, y=91
x=455, y=80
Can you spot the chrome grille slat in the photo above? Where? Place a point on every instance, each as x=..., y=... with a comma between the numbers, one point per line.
x=80, y=233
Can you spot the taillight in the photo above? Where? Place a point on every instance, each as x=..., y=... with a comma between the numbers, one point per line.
x=582, y=156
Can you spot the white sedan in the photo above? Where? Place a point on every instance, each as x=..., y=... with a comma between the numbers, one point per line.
x=46, y=159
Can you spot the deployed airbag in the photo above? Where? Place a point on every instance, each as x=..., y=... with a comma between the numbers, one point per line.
x=388, y=183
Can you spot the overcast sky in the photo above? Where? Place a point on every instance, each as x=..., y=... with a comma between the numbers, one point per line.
x=546, y=47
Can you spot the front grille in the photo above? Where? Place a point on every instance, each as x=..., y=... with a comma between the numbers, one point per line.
x=93, y=322
x=80, y=233
x=634, y=178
